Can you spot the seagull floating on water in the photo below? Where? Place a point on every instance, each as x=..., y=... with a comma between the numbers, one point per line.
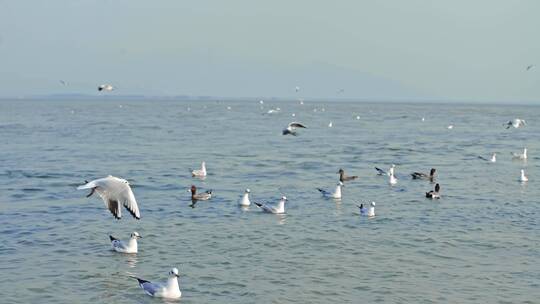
x=292, y=127
x=382, y=172
x=520, y=155
x=493, y=158
x=279, y=209
x=523, y=178
x=105, y=87
x=336, y=194
x=516, y=123
x=201, y=172
x=244, y=201
x=344, y=178
x=420, y=175
x=199, y=196
x=170, y=290
x=121, y=246
x=434, y=194
x=115, y=192
x=370, y=212
x=392, y=180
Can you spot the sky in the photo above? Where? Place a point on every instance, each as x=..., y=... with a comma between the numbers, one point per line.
x=472, y=50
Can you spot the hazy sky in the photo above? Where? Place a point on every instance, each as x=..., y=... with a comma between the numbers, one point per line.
x=451, y=50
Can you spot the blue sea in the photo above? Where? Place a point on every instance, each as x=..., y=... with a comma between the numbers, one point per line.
x=478, y=244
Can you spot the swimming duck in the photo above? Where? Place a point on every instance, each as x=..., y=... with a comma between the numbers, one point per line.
x=433, y=194
x=336, y=194
x=363, y=210
x=420, y=175
x=345, y=178
x=200, y=196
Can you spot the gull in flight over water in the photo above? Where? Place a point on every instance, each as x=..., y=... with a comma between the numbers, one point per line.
x=516, y=123
x=529, y=67
x=123, y=247
x=115, y=192
x=105, y=87
x=170, y=290
x=278, y=209
x=292, y=127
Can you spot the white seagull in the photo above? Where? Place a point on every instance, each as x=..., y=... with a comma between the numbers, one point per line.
x=520, y=155
x=493, y=158
x=120, y=246
x=170, y=290
x=279, y=209
x=292, y=127
x=516, y=123
x=105, y=87
x=201, y=172
x=367, y=211
x=523, y=178
x=115, y=192
x=336, y=194
x=392, y=179
x=244, y=201
x=382, y=172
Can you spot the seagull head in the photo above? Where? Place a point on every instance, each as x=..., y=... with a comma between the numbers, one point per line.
x=248, y=191
x=340, y=184
x=174, y=272
x=135, y=235
x=372, y=204
x=284, y=198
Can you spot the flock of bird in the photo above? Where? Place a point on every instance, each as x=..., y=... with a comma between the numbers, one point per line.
x=116, y=193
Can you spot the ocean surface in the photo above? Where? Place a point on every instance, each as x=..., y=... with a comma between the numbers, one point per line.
x=478, y=244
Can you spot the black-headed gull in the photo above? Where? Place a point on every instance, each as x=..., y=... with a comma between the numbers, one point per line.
x=370, y=211
x=105, y=87
x=344, y=178
x=115, y=192
x=336, y=194
x=170, y=290
x=123, y=247
x=493, y=158
x=244, y=201
x=420, y=175
x=433, y=194
x=382, y=172
x=292, y=127
x=278, y=209
x=516, y=123
x=520, y=155
x=201, y=172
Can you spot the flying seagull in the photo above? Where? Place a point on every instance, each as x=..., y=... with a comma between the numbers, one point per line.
x=115, y=192
x=292, y=127
x=516, y=123
x=105, y=87
x=530, y=66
